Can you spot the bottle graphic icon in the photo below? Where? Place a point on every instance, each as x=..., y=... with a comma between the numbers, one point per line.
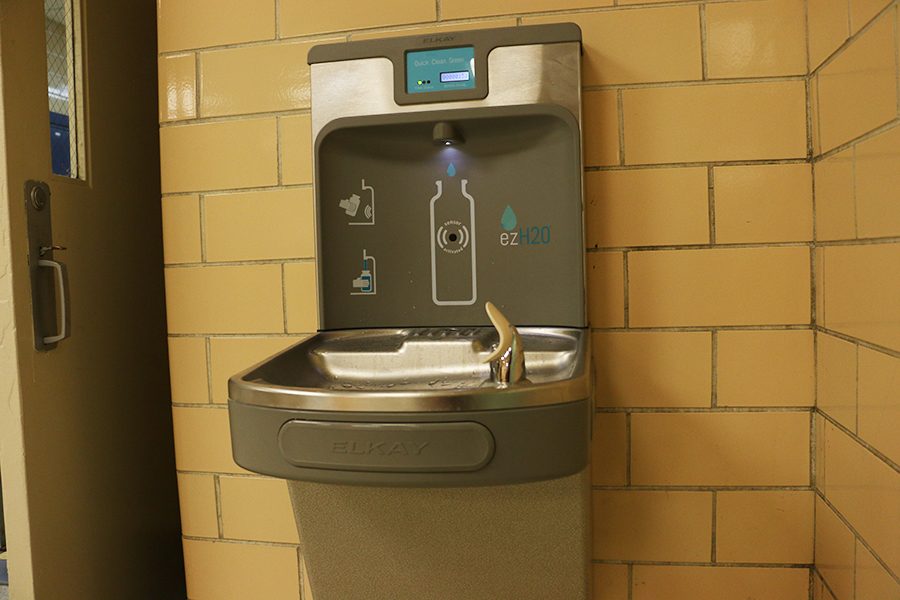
x=453, y=274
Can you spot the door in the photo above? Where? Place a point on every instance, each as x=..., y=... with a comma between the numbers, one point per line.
x=86, y=447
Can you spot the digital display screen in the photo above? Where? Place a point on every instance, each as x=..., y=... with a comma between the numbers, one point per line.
x=440, y=70
x=454, y=76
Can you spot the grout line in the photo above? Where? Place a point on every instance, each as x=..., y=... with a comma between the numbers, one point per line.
x=810, y=146
x=745, y=245
x=284, y=304
x=241, y=190
x=241, y=263
x=858, y=537
x=714, y=519
x=849, y=17
x=811, y=582
x=274, y=334
x=202, y=203
x=711, y=199
x=705, y=328
x=300, y=574
x=820, y=257
x=207, y=348
x=197, y=87
x=815, y=511
x=897, y=52
x=704, y=246
x=200, y=405
x=673, y=563
x=627, y=316
x=277, y=19
x=853, y=570
x=860, y=241
x=821, y=437
x=234, y=117
x=853, y=191
x=815, y=332
x=704, y=44
x=714, y=370
x=714, y=163
x=865, y=344
x=856, y=390
x=812, y=449
x=620, y=123
x=872, y=449
x=630, y=581
x=278, y=151
x=628, y=449
x=806, y=35
x=812, y=284
x=701, y=488
x=239, y=541
x=673, y=83
x=817, y=121
x=247, y=474
x=437, y=10
x=415, y=29
x=219, y=521
x=703, y=409
x=312, y=37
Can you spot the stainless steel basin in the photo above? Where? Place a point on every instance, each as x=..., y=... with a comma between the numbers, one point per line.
x=415, y=370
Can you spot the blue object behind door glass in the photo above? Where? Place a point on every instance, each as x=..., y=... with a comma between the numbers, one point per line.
x=441, y=70
x=59, y=144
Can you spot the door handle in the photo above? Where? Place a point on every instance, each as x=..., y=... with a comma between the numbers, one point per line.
x=40, y=258
x=62, y=282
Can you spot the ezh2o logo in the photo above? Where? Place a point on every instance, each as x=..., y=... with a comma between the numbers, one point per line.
x=521, y=235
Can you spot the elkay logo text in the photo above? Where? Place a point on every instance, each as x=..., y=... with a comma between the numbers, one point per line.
x=379, y=448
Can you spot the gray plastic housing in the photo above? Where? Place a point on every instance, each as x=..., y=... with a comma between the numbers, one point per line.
x=414, y=234
x=528, y=444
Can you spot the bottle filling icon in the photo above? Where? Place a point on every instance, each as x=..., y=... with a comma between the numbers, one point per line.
x=453, y=276
x=364, y=285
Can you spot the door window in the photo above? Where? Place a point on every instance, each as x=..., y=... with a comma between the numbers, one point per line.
x=63, y=30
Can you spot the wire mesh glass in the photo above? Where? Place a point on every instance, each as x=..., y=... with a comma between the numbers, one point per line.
x=60, y=28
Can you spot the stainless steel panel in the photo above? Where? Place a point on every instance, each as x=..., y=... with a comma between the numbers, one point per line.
x=531, y=74
x=414, y=370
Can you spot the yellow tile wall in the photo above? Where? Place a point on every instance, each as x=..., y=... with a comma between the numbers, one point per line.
x=705, y=583
x=857, y=201
x=717, y=230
